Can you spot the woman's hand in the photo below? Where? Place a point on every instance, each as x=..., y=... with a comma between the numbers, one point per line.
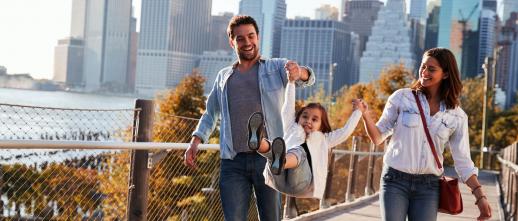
x=359, y=104
x=484, y=208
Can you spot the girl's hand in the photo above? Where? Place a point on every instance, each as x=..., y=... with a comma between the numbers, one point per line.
x=484, y=208
x=293, y=70
x=359, y=104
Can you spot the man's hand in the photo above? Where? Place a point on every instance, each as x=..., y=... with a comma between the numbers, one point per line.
x=293, y=70
x=189, y=158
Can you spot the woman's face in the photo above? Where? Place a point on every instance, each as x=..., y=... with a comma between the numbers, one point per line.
x=431, y=73
x=310, y=120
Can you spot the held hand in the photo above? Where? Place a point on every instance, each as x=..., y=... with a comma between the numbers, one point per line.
x=293, y=70
x=360, y=105
x=484, y=208
x=189, y=158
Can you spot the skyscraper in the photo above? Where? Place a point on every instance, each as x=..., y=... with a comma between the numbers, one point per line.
x=270, y=16
x=218, y=32
x=211, y=62
x=432, y=28
x=390, y=42
x=360, y=15
x=68, y=62
x=487, y=38
x=458, y=30
x=173, y=34
x=107, y=40
x=418, y=10
x=104, y=29
x=507, y=63
x=320, y=44
x=505, y=7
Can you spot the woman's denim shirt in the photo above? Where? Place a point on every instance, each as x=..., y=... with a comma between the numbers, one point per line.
x=272, y=84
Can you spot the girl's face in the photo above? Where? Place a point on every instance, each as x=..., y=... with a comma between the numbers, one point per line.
x=430, y=73
x=310, y=119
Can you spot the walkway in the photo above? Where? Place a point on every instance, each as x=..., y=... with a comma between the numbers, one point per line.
x=369, y=209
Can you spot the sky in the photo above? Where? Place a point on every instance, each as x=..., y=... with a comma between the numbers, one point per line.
x=30, y=29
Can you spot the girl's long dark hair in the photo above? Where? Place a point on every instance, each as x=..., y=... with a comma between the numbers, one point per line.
x=451, y=87
x=325, y=127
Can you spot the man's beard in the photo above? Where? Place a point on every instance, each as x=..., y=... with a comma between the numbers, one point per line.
x=244, y=56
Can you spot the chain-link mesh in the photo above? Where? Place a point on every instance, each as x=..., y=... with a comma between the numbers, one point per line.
x=177, y=192
x=38, y=123
x=66, y=184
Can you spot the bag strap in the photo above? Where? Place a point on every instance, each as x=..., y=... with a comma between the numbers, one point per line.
x=425, y=126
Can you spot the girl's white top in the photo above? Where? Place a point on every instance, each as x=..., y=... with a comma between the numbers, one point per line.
x=319, y=144
x=408, y=149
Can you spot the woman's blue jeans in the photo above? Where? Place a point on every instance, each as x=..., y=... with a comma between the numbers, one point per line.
x=403, y=195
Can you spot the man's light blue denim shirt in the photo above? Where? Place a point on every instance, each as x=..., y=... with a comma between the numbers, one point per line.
x=272, y=84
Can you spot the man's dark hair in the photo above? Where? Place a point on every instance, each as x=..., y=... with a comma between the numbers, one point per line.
x=240, y=20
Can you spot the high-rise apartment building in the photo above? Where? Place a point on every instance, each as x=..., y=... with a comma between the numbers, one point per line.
x=173, y=34
x=320, y=44
x=389, y=44
x=270, y=16
x=360, y=15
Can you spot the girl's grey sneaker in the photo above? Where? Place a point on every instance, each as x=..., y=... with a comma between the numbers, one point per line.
x=255, y=127
x=279, y=156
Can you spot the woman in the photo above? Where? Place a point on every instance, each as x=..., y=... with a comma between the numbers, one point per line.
x=410, y=178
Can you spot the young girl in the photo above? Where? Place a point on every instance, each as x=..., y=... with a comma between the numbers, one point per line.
x=301, y=170
x=410, y=178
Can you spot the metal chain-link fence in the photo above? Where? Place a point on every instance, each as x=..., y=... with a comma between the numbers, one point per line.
x=177, y=192
x=64, y=184
x=72, y=184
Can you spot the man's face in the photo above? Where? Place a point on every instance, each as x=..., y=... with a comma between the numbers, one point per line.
x=245, y=42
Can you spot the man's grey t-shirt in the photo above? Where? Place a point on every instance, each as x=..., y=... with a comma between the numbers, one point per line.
x=244, y=99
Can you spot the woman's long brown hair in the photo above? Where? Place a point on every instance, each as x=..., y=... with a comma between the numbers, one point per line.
x=451, y=87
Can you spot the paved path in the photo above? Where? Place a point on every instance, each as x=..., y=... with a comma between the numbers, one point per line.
x=369, y=210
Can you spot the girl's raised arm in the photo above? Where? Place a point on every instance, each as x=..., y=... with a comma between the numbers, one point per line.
x=288, y=108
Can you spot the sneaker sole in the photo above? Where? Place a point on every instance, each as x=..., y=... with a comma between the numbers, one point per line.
x=279, y=156
x=254, y=133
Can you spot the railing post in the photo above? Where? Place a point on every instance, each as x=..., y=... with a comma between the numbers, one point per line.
x=349, y=195
x=329, y=181
x=290, y=208
x=139, y=173
x=370, y=171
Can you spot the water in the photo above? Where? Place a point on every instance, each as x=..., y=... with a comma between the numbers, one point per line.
x=60, y=99
x=30, y=123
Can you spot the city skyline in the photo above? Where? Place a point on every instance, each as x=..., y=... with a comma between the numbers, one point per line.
x=28, y=46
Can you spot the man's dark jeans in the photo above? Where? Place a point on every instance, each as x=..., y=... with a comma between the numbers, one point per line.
x=237, y=177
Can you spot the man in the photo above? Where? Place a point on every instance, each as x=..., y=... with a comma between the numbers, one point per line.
x=251, y=84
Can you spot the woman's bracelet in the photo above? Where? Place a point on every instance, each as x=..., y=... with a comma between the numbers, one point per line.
x=478, y=199
x=476, y=188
